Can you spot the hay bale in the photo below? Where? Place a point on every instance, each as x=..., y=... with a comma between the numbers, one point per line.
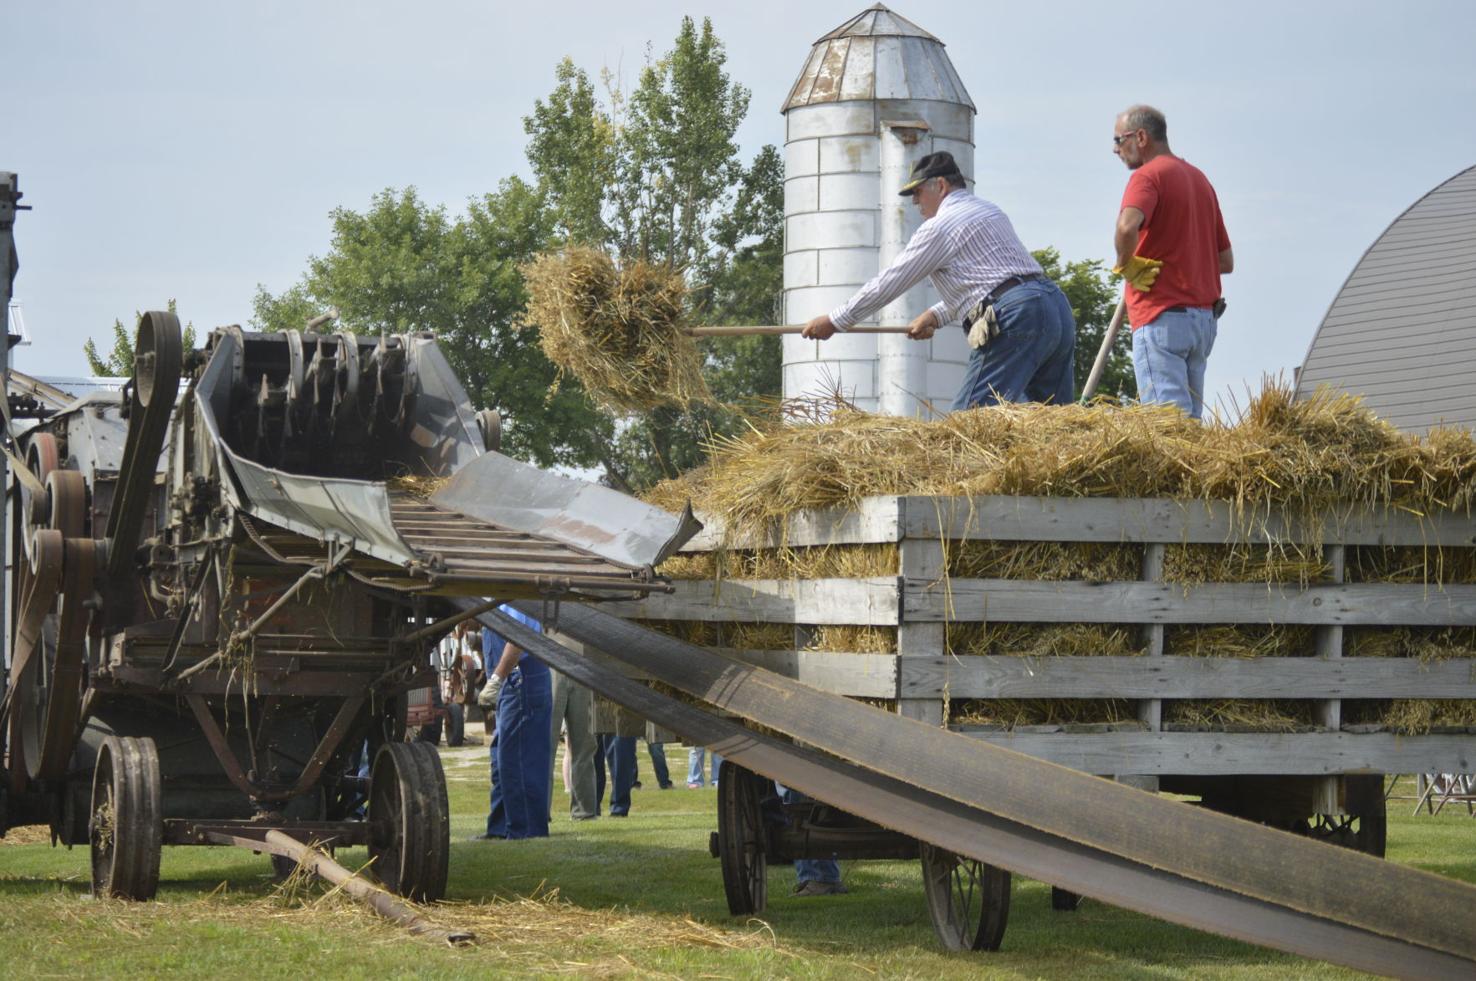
x=616, y=330
x=1323, y=458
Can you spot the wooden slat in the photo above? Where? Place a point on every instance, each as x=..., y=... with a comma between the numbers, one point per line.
x=921, y=559
x=1108, y=519
x=876, y=519
x=1353, y=604
x=1221, y=754
x=1185, y=677
x=1089, y=519
x=870, y=602
x=856, y=675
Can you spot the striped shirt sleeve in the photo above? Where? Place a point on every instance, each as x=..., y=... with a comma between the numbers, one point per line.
x=926, y=251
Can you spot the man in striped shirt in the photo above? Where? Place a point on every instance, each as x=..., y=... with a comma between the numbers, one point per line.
x=977, y=262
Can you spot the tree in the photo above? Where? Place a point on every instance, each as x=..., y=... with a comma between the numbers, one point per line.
x=118, y=363
x=572, y=149
x=404, y=266
x=668, y=159
x=1093, y=297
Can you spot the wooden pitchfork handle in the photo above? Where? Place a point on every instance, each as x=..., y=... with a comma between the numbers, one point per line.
x=1100, y=364
x=779, y=329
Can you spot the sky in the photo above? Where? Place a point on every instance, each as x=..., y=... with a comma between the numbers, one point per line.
x=193, y=150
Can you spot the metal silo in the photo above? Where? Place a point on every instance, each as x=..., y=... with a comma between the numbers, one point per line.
x=876, y=93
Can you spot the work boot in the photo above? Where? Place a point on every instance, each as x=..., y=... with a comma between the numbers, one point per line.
x=814, y=887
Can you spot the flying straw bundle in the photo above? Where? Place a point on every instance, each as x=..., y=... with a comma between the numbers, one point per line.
x=616, y=330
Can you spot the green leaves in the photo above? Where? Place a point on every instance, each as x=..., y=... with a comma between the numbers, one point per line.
x=1093, y=297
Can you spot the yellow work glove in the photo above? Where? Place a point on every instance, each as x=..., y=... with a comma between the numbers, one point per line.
x=1140, y=272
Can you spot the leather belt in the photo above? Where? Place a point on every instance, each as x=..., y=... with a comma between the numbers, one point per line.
x=978, y=308
x=1008, y=285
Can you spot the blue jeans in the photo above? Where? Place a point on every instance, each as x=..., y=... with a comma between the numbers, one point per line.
x=618, y=755
x=1032, y=357
x=1169, y=355
x=809, y=869
x=658, y=764
x=522, y=759
x=695, y=757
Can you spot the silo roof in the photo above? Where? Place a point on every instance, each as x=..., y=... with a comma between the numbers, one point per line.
x=1402, y=331
x=877, y=54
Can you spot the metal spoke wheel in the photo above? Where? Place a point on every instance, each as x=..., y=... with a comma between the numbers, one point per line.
x=126, y=831
x=1367, y=833
x=409, y=821
x=1365, y=825
x=742, y=843
x=969, y=901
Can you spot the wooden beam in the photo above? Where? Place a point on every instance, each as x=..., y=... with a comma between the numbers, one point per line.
x=855, y=675
x=1221, y=753
x=1186, y=677
x=868, y=602
x=922, y=559
x=1352, y=604
x=1171, y=522
x=874, y=520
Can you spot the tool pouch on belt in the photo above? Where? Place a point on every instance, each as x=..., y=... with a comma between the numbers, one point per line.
x=984, y=324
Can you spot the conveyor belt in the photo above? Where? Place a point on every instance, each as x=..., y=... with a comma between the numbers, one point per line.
x=1094, y=837
x=447, y=553
x=455, y=547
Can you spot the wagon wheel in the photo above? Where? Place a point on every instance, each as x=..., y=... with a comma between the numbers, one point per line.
x=1064, y=900
x=127, y=829
x=1365, y=832
x=969, y=902
x=409, y=823
x=1365, y=826
x=742, y=844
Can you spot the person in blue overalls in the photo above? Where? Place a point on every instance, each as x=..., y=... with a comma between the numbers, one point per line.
x=521, y=688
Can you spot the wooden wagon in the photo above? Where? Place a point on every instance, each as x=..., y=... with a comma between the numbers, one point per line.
x=1324, y=778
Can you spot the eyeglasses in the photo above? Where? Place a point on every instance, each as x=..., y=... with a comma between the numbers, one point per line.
x=1120, y=140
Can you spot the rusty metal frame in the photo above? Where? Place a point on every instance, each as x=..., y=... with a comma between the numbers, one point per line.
x=332, y=738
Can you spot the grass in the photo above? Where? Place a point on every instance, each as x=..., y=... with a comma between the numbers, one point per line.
x=610, y=898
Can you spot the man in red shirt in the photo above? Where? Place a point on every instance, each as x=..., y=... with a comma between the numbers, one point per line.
x=1171, y=249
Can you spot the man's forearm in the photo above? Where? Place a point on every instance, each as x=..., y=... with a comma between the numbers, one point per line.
x=507, y=662
x=1125, y=238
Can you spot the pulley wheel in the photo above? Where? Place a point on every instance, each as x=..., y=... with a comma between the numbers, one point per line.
x=126, y=831
x=43, y=455
x=968, y=901
x=66, y=495
x=489, y=421
x=742, y=844
x=157, y=357
x=409, y=822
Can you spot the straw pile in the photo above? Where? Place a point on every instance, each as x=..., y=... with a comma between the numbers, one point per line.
x=1321, y=459
x=616, y=330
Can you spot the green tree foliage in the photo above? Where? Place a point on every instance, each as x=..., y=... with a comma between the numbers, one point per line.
x=668, y=159
x=1093, y=296
x=118, y=362
x=402, y=266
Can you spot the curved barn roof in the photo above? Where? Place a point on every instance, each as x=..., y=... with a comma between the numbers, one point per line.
x=877, y=54
x=1402, y=330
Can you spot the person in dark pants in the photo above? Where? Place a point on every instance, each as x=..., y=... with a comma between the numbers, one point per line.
x=658, y=766
x=618, y=755
x=521, y=687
